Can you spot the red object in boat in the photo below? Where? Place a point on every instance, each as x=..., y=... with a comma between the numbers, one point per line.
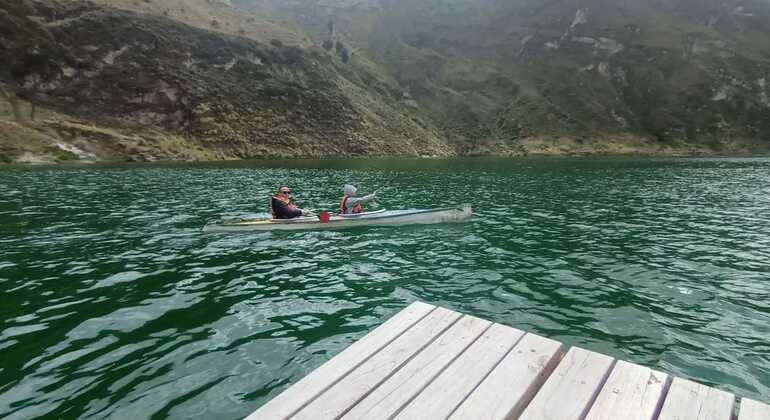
x=324, y=216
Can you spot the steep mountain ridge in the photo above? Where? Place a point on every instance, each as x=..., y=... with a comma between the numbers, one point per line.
x=498, y=74
x=223, y=95
x=215, y=79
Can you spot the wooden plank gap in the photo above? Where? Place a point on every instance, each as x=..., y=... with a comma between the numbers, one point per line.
x=512, y=384
x=632, y=392
x=753, y=410
x=443, y=395
x=471, y=391
x=572, y=387
x=403, y=365
x=388, y=399
x=361, y=381
x=563, y=353
x=376, y=352
x=663, y=396
x=442, y=371
x=598, y=389
x=690, y=400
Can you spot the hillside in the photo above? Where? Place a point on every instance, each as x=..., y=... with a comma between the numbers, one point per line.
x=550, y=75
x=123, y=84
x=213, y=15
x=228, y=79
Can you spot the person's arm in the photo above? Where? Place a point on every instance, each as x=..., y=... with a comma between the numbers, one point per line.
x=283, y=211
x=352, y=201
x=294, y=212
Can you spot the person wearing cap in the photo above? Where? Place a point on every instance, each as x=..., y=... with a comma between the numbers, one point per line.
x=350, y=204
x=282, y=207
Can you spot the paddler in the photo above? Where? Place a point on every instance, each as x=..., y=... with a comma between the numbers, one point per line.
x=282, y=207
x=350, y=204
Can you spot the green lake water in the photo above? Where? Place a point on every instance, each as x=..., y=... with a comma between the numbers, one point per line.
x=113, y=303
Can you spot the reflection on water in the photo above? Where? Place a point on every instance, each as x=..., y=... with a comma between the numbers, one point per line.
x=114, y=304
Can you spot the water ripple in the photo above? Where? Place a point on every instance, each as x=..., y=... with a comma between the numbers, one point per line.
x=116, y=305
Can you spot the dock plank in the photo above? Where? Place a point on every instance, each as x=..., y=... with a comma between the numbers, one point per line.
x=691, y=400
x=358, y=383
x=570, y=390
x=632, y=392
x=439, y=399
x=753, y=410
x=296, y=396
x=433, y=363
x=404, y=385
x=513, y=383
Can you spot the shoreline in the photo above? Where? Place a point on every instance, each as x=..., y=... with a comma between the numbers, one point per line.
x=282, y=161
x=64, y=141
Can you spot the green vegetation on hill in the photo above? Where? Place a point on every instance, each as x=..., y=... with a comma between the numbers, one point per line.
x=255, y=95
x=492, y=73
x=203, y=79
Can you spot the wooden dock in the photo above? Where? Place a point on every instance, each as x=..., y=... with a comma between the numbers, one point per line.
x=429, y=362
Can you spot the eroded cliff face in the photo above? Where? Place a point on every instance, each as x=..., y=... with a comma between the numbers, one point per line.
x=233, y=97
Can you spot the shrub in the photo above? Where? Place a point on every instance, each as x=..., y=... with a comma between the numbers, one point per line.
x=342, y=51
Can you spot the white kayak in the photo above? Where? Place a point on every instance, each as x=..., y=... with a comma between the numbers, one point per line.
x=374, y=218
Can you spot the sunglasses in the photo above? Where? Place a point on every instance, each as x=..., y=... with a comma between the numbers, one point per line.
x=285, y=192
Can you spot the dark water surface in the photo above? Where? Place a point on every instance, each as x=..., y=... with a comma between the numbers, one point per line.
x=114, y=304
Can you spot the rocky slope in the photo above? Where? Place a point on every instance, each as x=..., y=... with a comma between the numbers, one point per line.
x=215, y=79
x=155, y=87
x=567, y=75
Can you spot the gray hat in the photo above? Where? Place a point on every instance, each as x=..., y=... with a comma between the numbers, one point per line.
x=349, y=189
